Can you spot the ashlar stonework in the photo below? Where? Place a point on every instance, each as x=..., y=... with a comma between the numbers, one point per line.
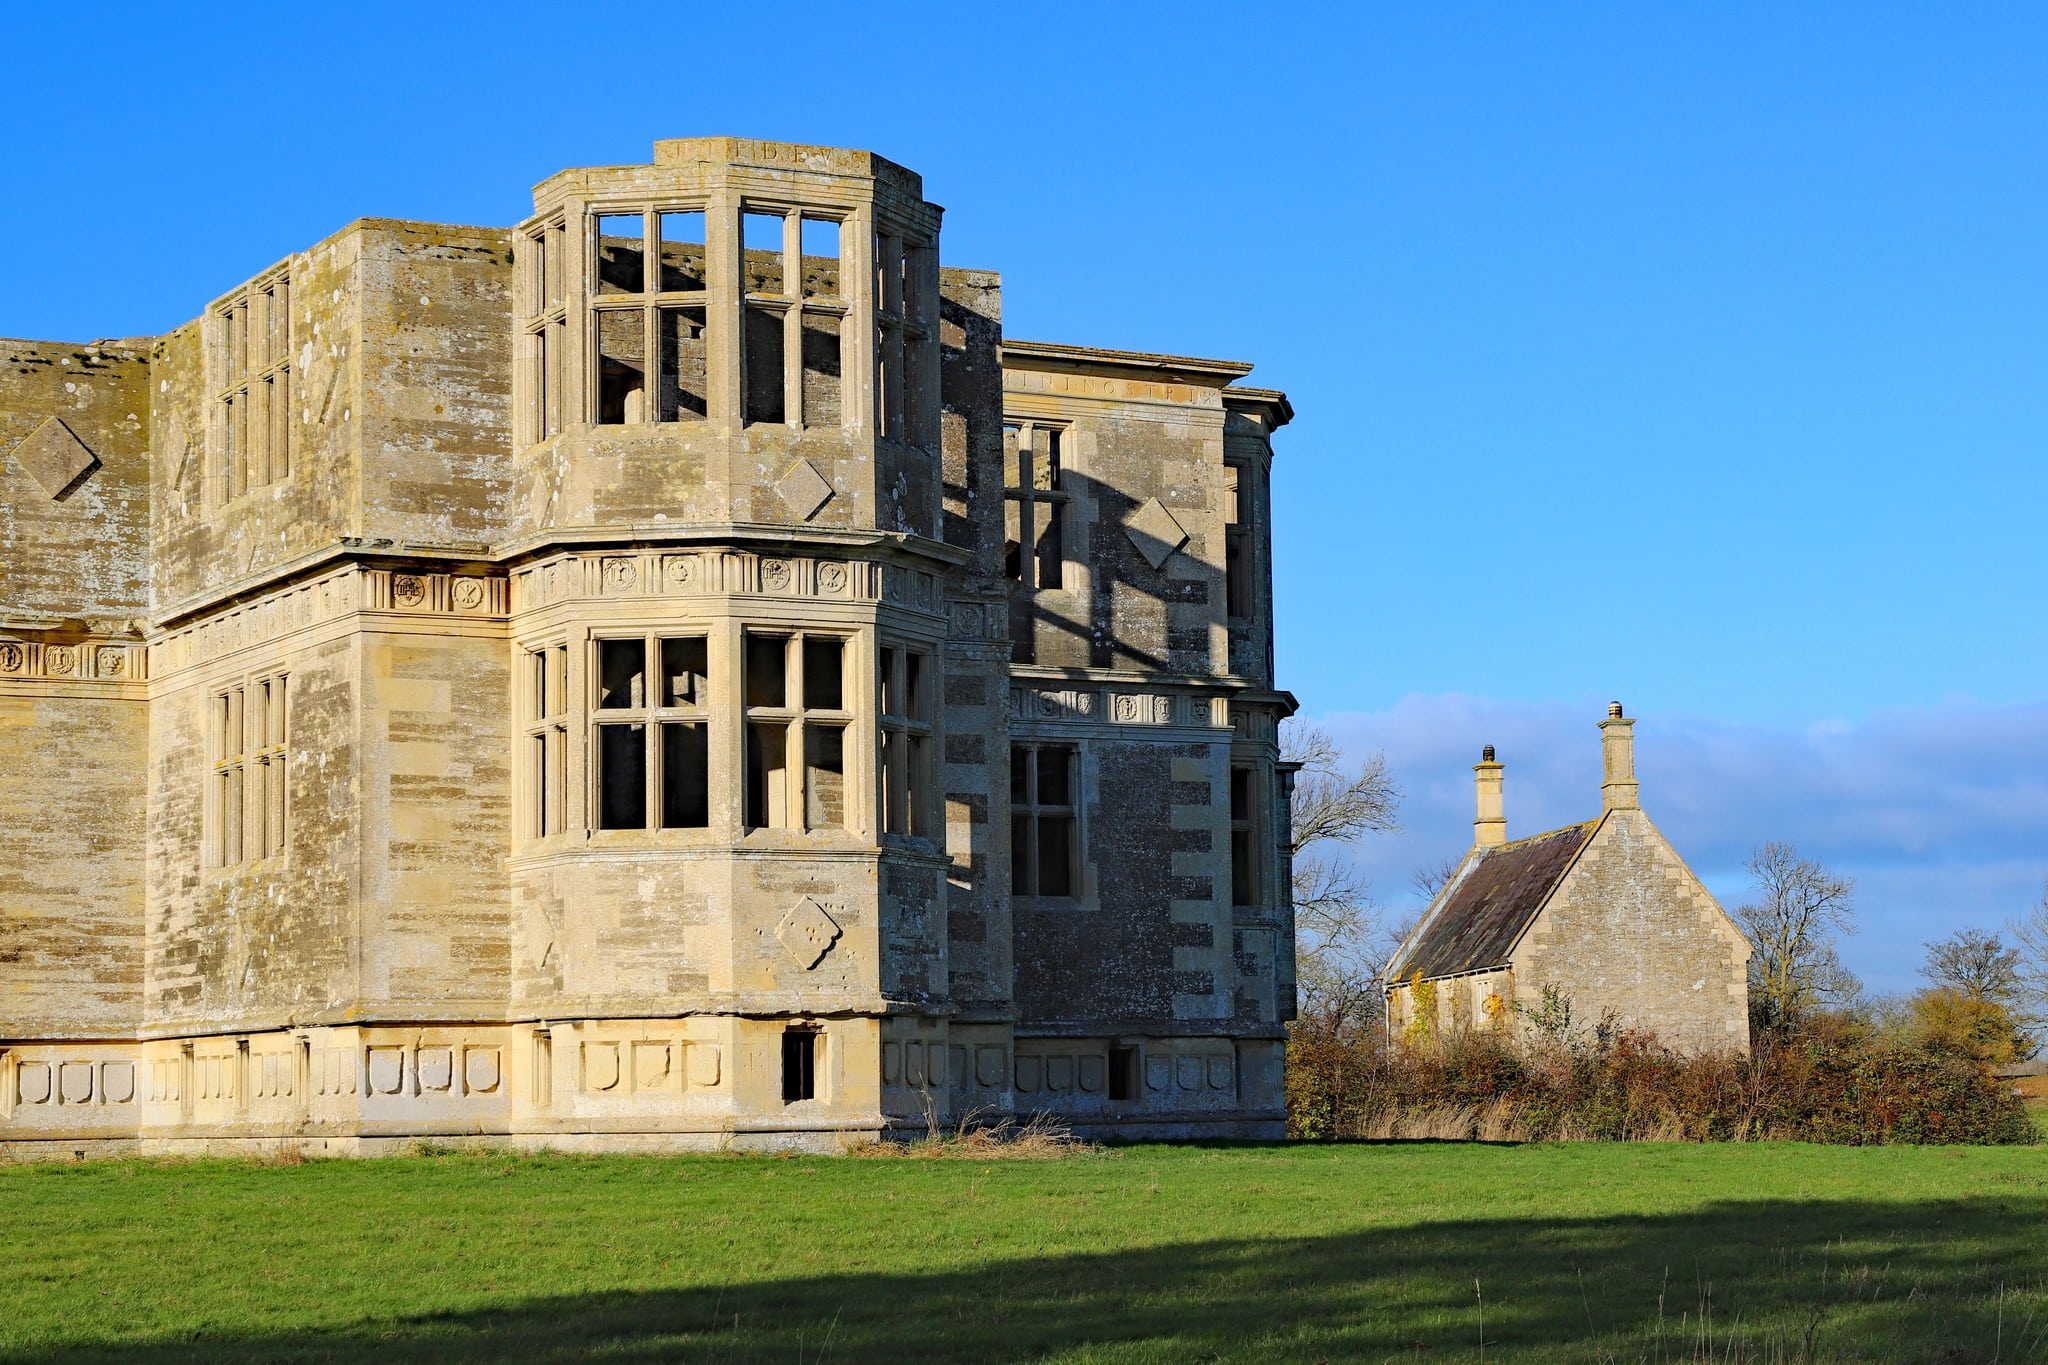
x=1605, y=912
x=667, y=674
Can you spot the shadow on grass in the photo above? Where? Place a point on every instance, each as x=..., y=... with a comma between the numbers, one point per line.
x=1767, y=1281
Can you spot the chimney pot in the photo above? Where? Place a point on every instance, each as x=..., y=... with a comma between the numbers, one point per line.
x=1486, y=754
x=1614, y=710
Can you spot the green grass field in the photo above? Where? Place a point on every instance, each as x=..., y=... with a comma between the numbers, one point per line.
x=1392, y=1252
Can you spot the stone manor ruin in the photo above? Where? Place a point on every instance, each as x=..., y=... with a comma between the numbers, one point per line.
x=668, y=674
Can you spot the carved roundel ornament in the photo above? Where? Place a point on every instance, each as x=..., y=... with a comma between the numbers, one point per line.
x=407, y=590
x=60, y=659
x=12, y=657
x=468, y=593
x=774, y=575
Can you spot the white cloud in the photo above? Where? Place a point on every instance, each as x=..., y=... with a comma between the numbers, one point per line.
x=1940, y=813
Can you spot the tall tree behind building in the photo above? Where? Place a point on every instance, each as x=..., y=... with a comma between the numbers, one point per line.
x=1336, y=921
x=1800, y=912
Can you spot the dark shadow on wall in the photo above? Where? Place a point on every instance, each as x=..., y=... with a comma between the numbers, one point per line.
x=1766, y=1281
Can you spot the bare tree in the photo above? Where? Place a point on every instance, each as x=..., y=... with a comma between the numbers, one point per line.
x=1335, y=918
x=1430, y=877
x=1977, y=964
x=1800, y=911
x=2030, y=937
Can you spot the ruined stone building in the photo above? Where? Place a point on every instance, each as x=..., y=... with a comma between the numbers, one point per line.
x=1606, y=912
x=666, y=674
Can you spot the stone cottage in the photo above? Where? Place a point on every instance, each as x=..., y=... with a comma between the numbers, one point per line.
x=1604, y=911
x=670, y=673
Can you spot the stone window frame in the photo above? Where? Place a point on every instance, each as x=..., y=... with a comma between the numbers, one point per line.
x=654, y=717
x=650, y=301
x=1248, y=841
x=796, y=718
x=248, y=791
x=544, y=333
x=546, y=706
x=1022, y=495
x=794, y=305
x=1240, y=543
x=906, y=796
x=251, y=423
x=905, y=286
x=1027, y=819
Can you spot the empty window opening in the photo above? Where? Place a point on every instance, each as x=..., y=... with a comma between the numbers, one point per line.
x=821, y=258
x=1044, y=846
x=1237, y=571
x=824, y=674
x=1123, y=1073
x=824, y=776
x=684, y=670
x=906, y=745
x=761, y=238
x=685, y=777
x=682, y=253
x=767, y=669
x=1244, y=844
x=650, y=326
x=622, y=776
x=621, y=253
x=1035, y=506
x=651, y=748
x=824, y=382
x=685, y=394
x=543, y=263
x=797, y=719
x=763, y=365
x=621, y=367
x=799, y=1064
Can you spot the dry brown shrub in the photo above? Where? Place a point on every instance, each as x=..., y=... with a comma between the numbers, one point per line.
x=983, y=1135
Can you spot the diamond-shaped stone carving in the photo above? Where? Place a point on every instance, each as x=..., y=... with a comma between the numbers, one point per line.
x=804, y=489
x=808, y=933
x=53, y=457
x=1154, y=531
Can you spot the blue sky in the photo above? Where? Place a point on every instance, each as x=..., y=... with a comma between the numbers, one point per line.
x=1687, y=355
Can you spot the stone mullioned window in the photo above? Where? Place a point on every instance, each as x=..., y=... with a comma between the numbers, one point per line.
x=249, y=806
x=252, y=374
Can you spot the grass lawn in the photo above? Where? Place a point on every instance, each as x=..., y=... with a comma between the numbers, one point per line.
x=1383, y=1252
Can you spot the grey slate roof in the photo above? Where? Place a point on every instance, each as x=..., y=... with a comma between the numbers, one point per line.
x=1481, y=914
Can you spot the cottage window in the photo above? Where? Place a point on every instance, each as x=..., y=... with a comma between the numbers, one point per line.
x=795, y=318
x=648, y=327
x=249, y=805
x=649, y=745
x=796, y=723
x=253, y=371
x=1044, y=842
x=905, y=684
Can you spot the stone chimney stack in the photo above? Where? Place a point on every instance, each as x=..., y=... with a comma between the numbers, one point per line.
x=1490, y=826
x=1618, y=761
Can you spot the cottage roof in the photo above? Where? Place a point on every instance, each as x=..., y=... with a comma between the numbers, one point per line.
x=1481, y=913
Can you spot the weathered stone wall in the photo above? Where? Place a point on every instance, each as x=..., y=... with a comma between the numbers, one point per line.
x=71, y=825
x=77, y=551
x=1631, y=929
x=435, y=381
